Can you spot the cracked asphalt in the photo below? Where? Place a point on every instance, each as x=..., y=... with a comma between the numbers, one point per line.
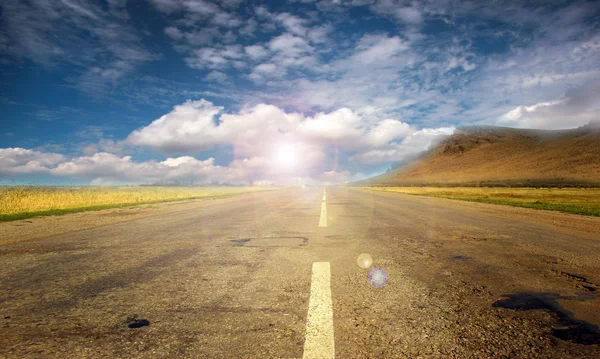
x=231, y=279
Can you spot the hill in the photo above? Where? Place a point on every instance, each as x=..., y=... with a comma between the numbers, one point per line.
x=489, y=155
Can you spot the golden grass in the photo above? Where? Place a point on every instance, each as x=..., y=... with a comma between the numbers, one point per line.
x=23, y=202
x=573, y=200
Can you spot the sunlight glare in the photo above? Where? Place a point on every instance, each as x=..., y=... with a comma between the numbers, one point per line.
x=286, y=155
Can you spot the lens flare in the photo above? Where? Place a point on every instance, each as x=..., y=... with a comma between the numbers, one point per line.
x=364, y=260
x=378, y=277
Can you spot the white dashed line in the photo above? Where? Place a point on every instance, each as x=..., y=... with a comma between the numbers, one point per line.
x=323, y=219
x=319, y=342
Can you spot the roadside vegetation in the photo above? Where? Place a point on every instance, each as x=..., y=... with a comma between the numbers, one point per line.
x=26, y=202
x=572, y=200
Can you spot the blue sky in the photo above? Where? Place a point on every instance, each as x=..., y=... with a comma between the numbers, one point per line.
x=290, y=92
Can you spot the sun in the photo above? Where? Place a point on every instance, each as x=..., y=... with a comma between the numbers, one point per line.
x=286, y=155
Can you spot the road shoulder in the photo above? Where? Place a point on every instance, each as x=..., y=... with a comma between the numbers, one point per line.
x=31, y=228
x=586, y=226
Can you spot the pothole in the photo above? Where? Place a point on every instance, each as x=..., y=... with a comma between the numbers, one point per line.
x=135, y=323
x=271, y=242
x=565, y=326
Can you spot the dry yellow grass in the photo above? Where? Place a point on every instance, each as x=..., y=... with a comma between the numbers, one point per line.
x=23, y=202
x=573, y=200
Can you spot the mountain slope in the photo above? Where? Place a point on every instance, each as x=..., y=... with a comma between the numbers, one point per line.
x=499, y=155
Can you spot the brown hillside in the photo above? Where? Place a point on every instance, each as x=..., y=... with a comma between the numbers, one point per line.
x=496, y=155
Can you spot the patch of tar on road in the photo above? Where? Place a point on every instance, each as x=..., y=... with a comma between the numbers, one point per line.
x=271, y=242
x=295, y=208
x=567, y=326
x=123, y=278
x=134, y=322
x=339, y=236
x=240, y=242
x=579, y=282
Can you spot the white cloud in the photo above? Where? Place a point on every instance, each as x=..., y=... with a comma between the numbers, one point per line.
x=190, y=126
x=407, y=14
x=289, y=45
x=258, y=131
x=174, y=33
x=54, y=32
x=266, y=70
x=396, y=151
x=226, y=20
x=105, y=145
x=379, y=48
x=14, y=161
x=256, y=52
x=293, y=24
x=318, y=35
x=214, y=58
x=386, y=131
x=578, y=107
x=366, y=94
x=268, y=144
x=105, y=168
x=337, y=125
x=217, y=76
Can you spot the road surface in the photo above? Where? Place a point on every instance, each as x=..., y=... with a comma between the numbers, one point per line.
x=252, y=278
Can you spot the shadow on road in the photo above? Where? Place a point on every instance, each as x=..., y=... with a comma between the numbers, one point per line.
x=568, y=327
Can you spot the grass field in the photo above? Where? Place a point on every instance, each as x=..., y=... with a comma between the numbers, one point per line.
x=26, y=202
x=573, y=200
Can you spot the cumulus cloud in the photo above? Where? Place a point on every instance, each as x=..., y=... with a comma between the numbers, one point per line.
x=14, y=161
x=200, y=125
x=267, y=143
x=105, y=168
x=190, y=126
x=386, y=131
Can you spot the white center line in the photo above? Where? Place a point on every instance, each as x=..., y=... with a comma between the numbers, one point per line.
x=319, y=340
x=323, y=219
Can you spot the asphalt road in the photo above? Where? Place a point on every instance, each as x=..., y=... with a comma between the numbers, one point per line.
x=233, y=280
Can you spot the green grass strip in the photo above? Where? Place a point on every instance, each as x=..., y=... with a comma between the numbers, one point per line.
x=560, y=207
x=61, y=211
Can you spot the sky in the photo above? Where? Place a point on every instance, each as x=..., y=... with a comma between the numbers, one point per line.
x=287, y=92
